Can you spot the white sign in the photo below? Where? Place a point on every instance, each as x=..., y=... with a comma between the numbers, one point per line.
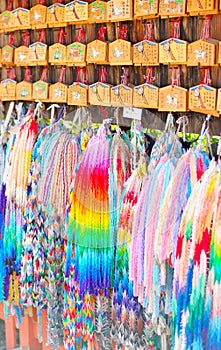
x=132, y=113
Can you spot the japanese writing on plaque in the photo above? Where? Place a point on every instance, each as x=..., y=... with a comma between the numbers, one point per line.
x=146, y=52
x=121, y=95
x=99, y=94
x=145, y=96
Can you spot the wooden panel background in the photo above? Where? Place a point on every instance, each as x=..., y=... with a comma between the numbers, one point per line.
x=190, y=31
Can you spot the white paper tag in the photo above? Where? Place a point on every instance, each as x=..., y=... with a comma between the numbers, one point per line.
x=132, y=113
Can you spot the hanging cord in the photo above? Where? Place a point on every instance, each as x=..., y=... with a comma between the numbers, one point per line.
x=28, y=76
x=125, y=78
x=11, y=73
x=26, y=39
x=176, y=73
x=81, y=36
x=182, y=121
x=38, y=109
x=169, y=122
x=11, y=39
x=10, y=5
x=101, y=33
x=176, y=28
x=44, y=75
x=148, y=31
x=206, y=77
x=205, y=133
x=62, y=113
x=123, y=32
x=149, y=77
x=52, y=108
x=23, y=3
x=81, y=75
x=62, y=75
x=19, y=112
x=102, y=74
x=4, y=126
x=80, y=116
x=61, y=36
x=205, y=32
x=42, y=36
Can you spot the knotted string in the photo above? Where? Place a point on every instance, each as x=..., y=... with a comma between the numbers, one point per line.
x=81, y=36
x=102, y=74
x=62, y=75
x=206, y=78
x=125, y=77
x=176, y=73
x=176, y=28
x=28, y=76
x=149, y=78
x=10, y=5
x=11, y=73
x=42, y=36
x=81, y=75
x=61, y=36
x=205, y=32
x=123, y=32
x=44, y=75
x=11, y=39
x=148, y=31
x=101, y=33
x=26, y=39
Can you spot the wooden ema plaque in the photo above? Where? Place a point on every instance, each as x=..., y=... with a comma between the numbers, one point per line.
x=99, y=94
x=38, y=54
x=56, y=16
x=76, y=12
x=7, y=21
x=7, y=55
x=120, y=52
x=38, y=17
x=21, y=18
x=219, y=101
x=146, y=53
x=145, y=8
x=196, y=7
x=202, y=52
x=40, y=90
x=8, y=90
x=172, y=8
x=172, y=99
x=24, y=91
x=76, y=54
x=173, y=51
x=97, y=52
x=57, y=54
x=202, y=99
x=21, y=56
x=97, y=12
x=119, y=10
x=145, y=96
x=121, y=95
x=219, y=54
x=0, y=57
x=58, y=93
x=78, y=94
